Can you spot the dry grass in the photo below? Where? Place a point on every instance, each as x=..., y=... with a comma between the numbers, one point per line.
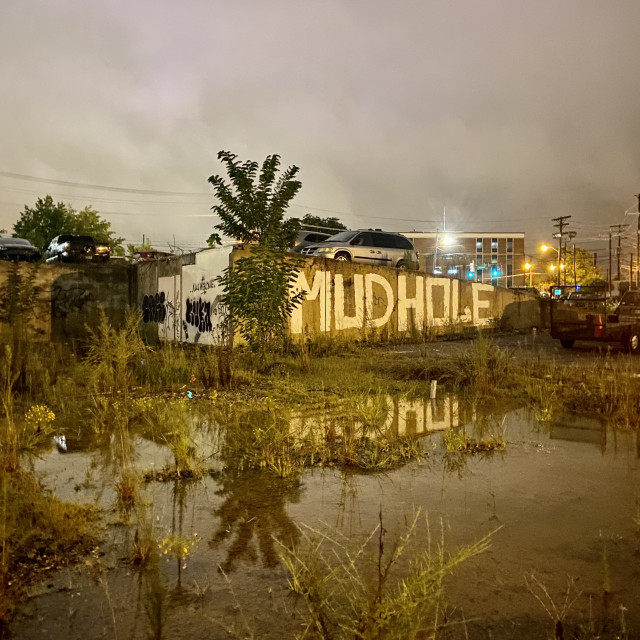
x=364, y=593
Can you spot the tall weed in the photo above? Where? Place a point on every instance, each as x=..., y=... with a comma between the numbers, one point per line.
x=113, y=354
x=363, y=592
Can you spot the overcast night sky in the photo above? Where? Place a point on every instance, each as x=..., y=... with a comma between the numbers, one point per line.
x=507, y=113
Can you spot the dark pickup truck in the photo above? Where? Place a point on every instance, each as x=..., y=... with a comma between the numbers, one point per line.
x=587, y=313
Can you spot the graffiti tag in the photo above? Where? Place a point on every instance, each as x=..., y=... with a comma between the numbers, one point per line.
x=198, y=315
x=153, y=308
x=203, y=285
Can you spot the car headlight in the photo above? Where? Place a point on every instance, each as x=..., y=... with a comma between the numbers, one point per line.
x=322, y=250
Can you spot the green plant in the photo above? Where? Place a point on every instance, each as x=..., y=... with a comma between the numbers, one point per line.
x=257, y=288
x=144, y=543
x=178, y=546
x=36, y=427
x=556, y=612
x=457, y=440
x=258, y=298
x=364, y=593
x=47, y=219
x=410, y=262
x=113, y=354
x=251, y=207
x=371, y=408
x=18, y=297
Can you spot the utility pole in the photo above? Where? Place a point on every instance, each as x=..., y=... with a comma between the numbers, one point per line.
x=560, y=224
x=571, y=235
x=638, y=247
x=609, y=270
x=620, y=228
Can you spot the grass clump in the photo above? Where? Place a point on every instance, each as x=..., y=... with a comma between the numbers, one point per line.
x=170, y=422
x=268, y=437
x=363, y=592
x=459, y=441
x=114, y=354
x=480, y=367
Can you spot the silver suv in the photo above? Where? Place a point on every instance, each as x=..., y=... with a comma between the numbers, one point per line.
x=368, y=246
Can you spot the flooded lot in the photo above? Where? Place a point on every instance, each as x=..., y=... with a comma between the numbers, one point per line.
x=562, y=502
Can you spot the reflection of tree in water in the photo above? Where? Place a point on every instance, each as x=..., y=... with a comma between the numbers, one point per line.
x=254, y=507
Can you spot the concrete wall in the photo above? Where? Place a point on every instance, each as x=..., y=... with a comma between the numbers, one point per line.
x=180, y=300
x=350, y=300
x=72, y=296
x=356, y=300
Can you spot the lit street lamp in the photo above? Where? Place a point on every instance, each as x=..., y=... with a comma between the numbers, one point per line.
x=546, y=247
x=528, y=267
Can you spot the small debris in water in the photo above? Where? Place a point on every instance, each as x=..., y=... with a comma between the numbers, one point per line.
x=60, y=442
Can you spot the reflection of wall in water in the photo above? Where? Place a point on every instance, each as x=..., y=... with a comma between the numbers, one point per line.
x=405, y=418
x=580, y=429
x=419, y=417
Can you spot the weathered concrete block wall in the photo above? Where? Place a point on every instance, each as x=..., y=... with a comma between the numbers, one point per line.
x=358, y=300
x=158, y=306
x=181, y=299
x=72, y=296
x=183, y=302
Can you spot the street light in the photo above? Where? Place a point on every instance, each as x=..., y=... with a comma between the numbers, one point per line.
x=546, y=247
x=527, y=267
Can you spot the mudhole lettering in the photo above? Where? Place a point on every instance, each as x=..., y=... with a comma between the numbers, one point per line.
x=198, y=315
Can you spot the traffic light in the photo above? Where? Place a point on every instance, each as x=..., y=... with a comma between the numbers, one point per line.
x=496, y=271
x=472, y=271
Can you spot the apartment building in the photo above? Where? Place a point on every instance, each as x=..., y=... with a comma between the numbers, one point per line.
x=494, y=258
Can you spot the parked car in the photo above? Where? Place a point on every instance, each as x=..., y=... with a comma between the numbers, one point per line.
x=18, y=249
x=583, y=297
x=307, y=238
x=76, y=248
x=588, y=317
x=368, y=246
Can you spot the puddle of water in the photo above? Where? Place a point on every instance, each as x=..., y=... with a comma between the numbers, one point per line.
x=563, y=497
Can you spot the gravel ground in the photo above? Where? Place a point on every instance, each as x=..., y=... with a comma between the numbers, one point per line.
x=538, y=343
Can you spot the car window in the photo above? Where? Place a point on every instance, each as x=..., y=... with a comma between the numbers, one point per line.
x=630, y=298
x=63, y=238
x=383, y=240
x=403, y=243
x=316, y=237
x=364, y=239
x=343, y=236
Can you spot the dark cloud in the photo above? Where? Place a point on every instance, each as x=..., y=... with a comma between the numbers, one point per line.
x=506, y=113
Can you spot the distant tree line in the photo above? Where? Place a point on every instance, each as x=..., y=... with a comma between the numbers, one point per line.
x=47, y=219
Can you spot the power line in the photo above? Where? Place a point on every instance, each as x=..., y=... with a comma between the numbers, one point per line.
x=67, y=183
